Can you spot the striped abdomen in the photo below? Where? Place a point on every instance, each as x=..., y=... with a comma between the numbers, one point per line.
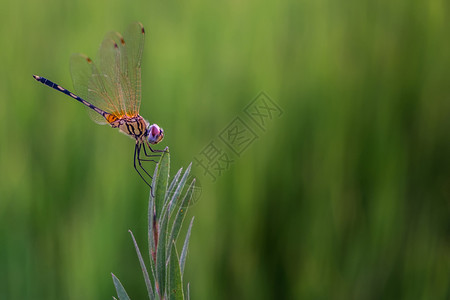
x=69, y=93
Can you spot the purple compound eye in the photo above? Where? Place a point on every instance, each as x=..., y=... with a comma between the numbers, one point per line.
x=155, y=134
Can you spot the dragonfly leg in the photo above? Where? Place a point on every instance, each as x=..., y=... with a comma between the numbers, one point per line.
x=136, y=157
x=139, y=159
x=154, y=150
x=149, y=155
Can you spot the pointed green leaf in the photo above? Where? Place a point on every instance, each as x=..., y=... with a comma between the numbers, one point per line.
x=181, y=213
x=148, y=281
x=175, y=286
x=121, y=293
x=188, y=292
x=179, y=188
x=161, y=253
x=173, y=183
x=185, y=247
x=160, y=180
x=151, y=234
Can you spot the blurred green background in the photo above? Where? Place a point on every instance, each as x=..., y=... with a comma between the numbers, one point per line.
x=344, y=196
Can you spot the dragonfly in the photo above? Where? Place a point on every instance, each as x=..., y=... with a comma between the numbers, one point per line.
x=111, y=90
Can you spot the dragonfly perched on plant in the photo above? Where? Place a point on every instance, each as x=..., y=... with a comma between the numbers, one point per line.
x=111, y=89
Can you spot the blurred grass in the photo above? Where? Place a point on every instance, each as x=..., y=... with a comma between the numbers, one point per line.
x=345, y=196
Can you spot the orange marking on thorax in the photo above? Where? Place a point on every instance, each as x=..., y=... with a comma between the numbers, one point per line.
x=131, y=114
x=111, y=118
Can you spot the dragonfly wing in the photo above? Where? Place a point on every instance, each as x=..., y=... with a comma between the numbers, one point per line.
x=81, y=68
x=131, y=55
x=114, y=83
x=126, y=66
x=105, y=82
x=81, y=71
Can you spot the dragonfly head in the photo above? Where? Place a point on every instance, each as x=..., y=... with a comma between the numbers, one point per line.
x=155, y=134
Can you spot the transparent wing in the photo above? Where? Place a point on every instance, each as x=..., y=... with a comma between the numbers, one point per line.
x=131, y=54
x=105, y=87
x=81, y=71
x=98, y=84
x=114, y=84
x=120, y=64
x=81, y=68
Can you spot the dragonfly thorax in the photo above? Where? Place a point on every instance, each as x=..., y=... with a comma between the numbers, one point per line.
x=135, y=127
x=139, y=129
